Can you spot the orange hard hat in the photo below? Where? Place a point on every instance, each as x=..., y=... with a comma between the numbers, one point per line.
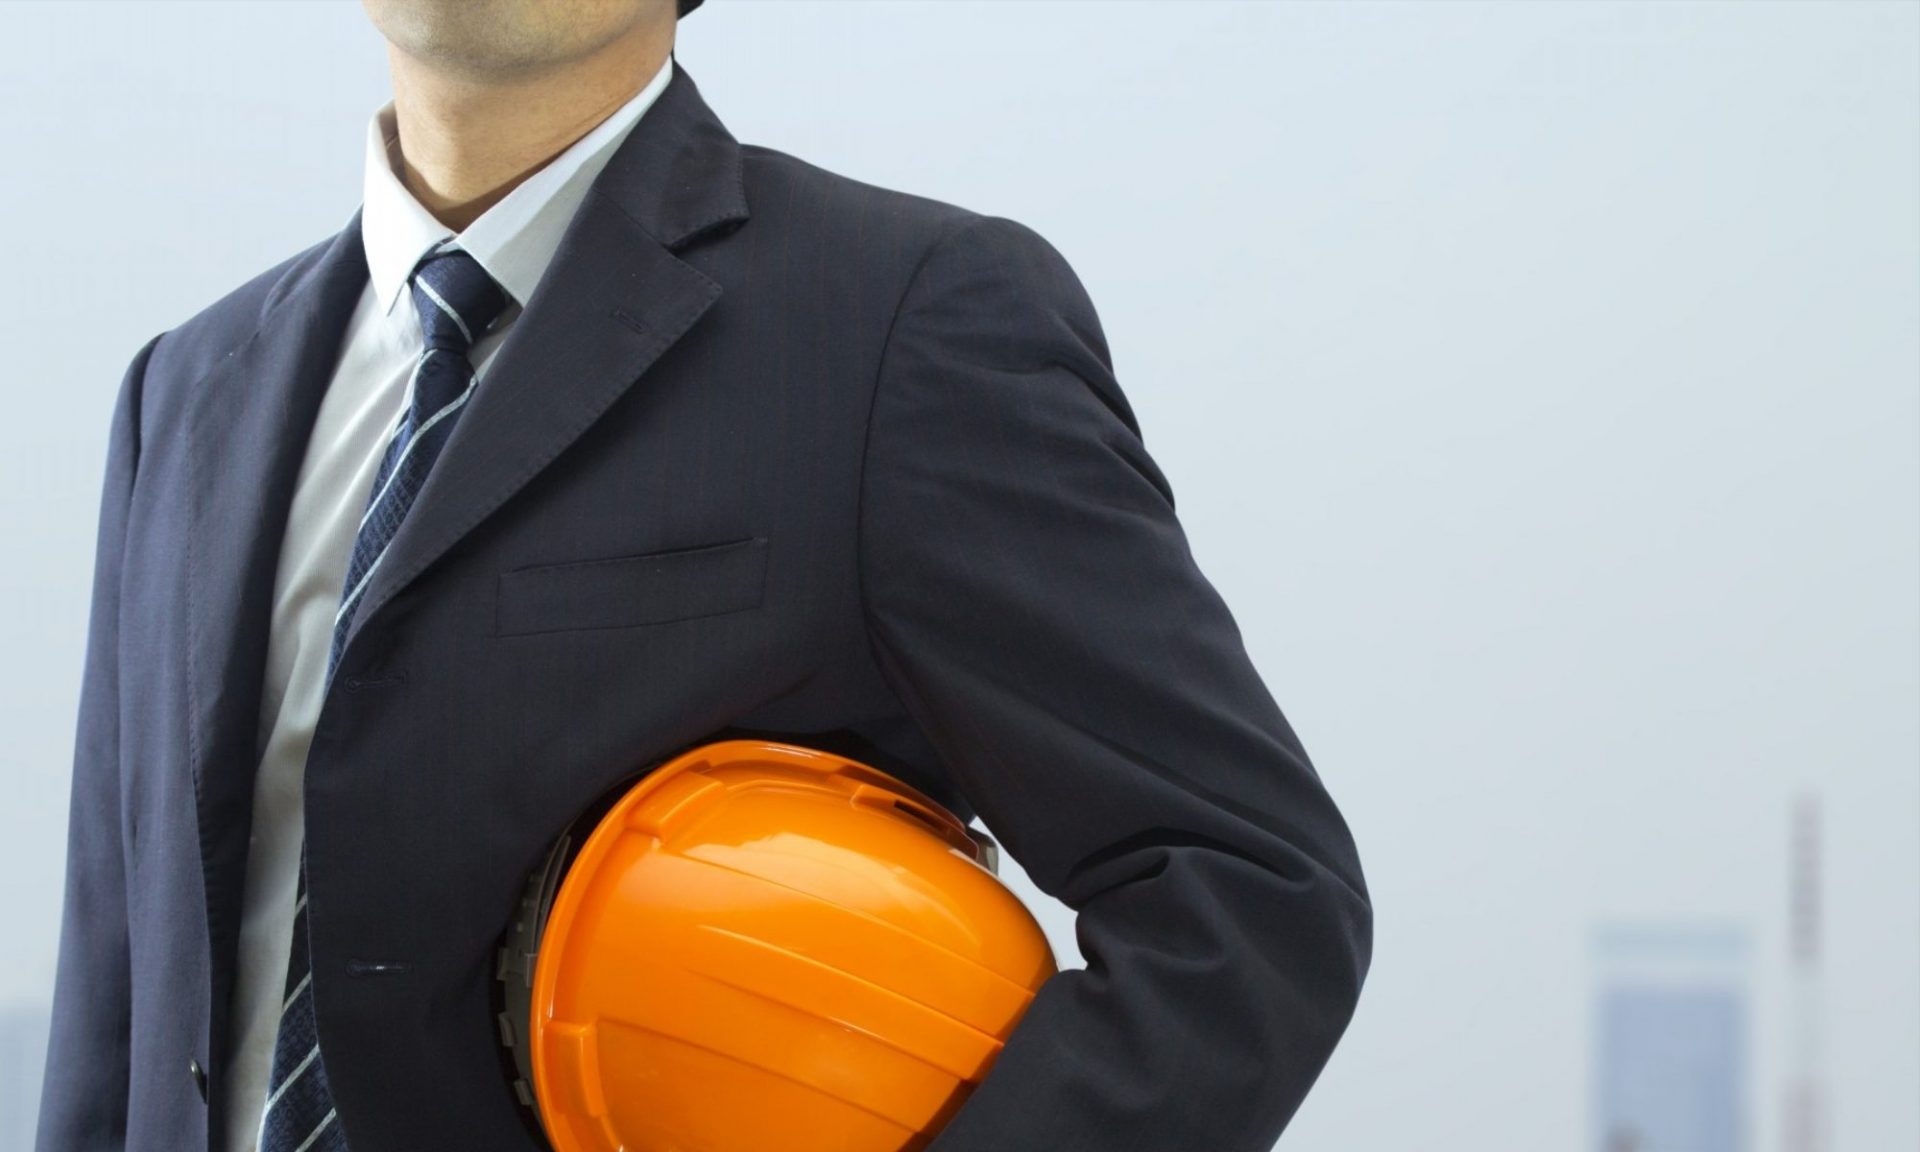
x=760, y=945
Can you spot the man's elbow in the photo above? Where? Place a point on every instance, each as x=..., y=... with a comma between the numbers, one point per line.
x=1318, y=941
x=1348, y=921
x=1353, y=920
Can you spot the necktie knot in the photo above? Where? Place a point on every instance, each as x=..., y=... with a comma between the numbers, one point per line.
x=456, y=299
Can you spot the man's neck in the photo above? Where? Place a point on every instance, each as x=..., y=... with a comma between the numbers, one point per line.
x=467, y=141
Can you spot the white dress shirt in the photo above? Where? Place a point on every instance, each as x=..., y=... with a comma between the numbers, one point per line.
x=514, y=241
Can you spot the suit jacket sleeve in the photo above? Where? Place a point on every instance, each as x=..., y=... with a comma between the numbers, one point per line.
x=1031, y=599
x=83, y=1101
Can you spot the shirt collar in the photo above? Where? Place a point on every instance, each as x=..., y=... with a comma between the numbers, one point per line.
x=515, y=239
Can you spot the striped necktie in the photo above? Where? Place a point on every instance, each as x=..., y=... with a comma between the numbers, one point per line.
x=457, y=301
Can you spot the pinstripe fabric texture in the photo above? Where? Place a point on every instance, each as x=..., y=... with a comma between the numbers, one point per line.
x=457, y=301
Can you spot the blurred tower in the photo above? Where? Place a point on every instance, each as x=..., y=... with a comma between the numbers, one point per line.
x=1805, y=1122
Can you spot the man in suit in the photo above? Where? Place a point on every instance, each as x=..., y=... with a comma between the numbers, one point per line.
x=593, y=435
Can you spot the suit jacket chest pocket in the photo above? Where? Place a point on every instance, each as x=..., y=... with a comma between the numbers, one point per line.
x=625, y=591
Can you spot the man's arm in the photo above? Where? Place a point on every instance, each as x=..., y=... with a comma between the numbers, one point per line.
x=1031, y=598
x=83, y=1100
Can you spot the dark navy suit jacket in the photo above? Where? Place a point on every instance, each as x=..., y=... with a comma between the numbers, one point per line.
x=771, y=451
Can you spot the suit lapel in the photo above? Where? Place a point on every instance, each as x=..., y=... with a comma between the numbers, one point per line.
x=614, y=299
x=246, y=430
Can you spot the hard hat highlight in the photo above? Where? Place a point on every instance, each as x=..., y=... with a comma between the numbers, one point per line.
x=760, y=945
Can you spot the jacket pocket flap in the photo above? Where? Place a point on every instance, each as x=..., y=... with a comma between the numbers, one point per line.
x=622, y=591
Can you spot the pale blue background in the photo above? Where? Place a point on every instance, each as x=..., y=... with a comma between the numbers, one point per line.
x=1539, y=384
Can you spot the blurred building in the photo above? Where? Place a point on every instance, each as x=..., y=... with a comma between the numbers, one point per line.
x=1672, y=1041
x=23, y=1053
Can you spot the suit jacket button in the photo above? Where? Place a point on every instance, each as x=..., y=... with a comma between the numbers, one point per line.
x=199, y=1077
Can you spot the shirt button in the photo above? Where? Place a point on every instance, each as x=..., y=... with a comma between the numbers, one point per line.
x=199, y=1077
